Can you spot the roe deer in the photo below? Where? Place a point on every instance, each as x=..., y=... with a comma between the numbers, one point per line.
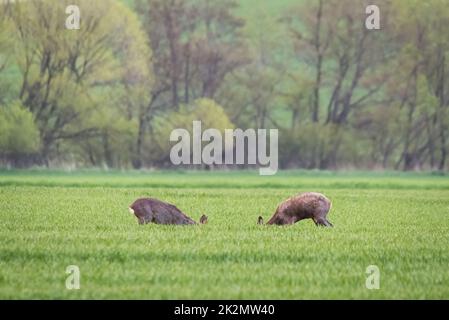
x=149, y=210
x=302, y=206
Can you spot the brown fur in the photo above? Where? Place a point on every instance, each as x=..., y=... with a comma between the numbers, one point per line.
x=149, y=210
x=309, y=205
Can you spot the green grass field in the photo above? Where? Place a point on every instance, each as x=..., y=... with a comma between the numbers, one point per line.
x=50, y=220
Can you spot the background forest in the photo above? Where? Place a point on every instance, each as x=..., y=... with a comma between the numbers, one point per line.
x=108, y=94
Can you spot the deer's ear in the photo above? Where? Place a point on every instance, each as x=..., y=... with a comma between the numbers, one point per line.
x=260, y=220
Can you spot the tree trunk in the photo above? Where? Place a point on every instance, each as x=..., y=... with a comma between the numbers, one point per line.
x=171, y=36
x=187, y=74
x=137, y=161
x=442, y=163
x=107, y=151
x=317, y=42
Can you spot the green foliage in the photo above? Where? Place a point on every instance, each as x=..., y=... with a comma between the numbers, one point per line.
x=314, y=145
x=85, y=88
x=341, y=95
x=6, y=57
x=205, y=110
x=18, y=132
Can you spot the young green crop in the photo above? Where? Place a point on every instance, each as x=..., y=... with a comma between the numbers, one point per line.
x=50, y=220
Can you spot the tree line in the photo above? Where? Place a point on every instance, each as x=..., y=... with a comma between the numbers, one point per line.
x=108, y=94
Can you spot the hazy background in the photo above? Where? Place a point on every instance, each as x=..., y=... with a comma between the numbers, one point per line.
x=109, y=94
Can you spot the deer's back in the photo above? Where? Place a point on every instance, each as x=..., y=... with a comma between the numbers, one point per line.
x=305, y=205
x=154, y=210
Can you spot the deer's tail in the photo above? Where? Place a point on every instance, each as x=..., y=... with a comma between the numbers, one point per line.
x=203, y=219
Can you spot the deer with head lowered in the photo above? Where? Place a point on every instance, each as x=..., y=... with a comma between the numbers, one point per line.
x=309, y=205
x=149, y=210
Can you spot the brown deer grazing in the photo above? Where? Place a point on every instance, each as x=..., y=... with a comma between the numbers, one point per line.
x=149, y=210
x=302, y=206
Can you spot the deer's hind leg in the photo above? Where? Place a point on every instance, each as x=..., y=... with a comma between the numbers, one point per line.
x=321, y=220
